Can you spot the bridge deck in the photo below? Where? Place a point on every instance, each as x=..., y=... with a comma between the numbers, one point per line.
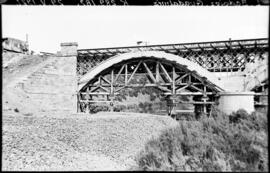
x=184, y=47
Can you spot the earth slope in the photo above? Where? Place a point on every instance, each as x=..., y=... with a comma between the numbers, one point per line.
x=104, y=141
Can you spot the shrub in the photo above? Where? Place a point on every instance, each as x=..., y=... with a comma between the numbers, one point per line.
x=239, y=115
x=98, y=108
x=16, y=110
x=236, y=142
x=119, y=108
x=186, y=116
x=146, y=107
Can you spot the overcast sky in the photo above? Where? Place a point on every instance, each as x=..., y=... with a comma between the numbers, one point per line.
x=108, y=26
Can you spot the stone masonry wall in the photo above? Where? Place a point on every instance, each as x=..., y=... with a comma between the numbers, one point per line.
x=53, y=87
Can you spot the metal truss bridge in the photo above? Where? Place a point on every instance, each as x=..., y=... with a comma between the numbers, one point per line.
x=175, y=69
x=219, y=56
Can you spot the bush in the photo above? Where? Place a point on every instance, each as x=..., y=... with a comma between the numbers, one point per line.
x=98, y=108
x=215, y=143
x=119, y=108
x=146, y=107
x=237, y=116
x=185, y=116
x=16, y=110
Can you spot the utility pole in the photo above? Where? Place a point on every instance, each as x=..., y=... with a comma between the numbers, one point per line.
x=27, y=44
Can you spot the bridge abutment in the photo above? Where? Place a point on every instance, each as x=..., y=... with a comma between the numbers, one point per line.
x=69, y=49
x=69, y=56
x=232, y=101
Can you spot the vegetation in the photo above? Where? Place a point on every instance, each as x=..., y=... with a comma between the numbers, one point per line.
x=154, y=104
x=236, y=142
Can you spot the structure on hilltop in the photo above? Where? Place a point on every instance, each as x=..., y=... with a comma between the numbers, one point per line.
x=15, y=45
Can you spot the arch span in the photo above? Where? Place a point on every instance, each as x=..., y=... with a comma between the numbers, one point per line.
x=159, y=55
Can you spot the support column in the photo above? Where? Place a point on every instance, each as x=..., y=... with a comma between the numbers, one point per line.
x=157, y=72
x=65, y=70
x=171, y=100
x=198, y=108
x=204, y=99
x=87, y=98
x=171, y=105
x=126, y=74
x=232, y=101
x=111, y=97
x=78, y=103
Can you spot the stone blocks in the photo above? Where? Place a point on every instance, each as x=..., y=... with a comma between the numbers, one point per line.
x=53, y=86
x=69, y=49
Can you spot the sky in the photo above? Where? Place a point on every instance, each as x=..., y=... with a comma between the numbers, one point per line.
x=114, y=26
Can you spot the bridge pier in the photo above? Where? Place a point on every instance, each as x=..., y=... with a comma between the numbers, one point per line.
x=232, y=101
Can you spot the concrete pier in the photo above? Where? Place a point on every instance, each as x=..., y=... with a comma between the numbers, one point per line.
x=232, y=101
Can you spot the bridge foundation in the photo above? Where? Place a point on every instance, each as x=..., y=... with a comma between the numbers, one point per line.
x=232, y=101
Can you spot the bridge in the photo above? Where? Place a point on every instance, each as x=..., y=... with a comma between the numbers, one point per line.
x=195, y=70
x=170, y=78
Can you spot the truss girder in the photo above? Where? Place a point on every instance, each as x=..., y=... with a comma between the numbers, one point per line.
x=220, y=56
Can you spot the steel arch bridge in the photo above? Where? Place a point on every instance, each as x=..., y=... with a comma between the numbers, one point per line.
x=175, y=69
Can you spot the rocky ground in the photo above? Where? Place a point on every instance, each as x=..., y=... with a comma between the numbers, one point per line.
x=104, y=141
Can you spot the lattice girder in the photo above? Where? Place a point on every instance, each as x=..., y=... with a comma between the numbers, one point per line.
x=218, y=56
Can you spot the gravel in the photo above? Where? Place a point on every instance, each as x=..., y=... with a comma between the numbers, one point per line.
x=103, y=141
